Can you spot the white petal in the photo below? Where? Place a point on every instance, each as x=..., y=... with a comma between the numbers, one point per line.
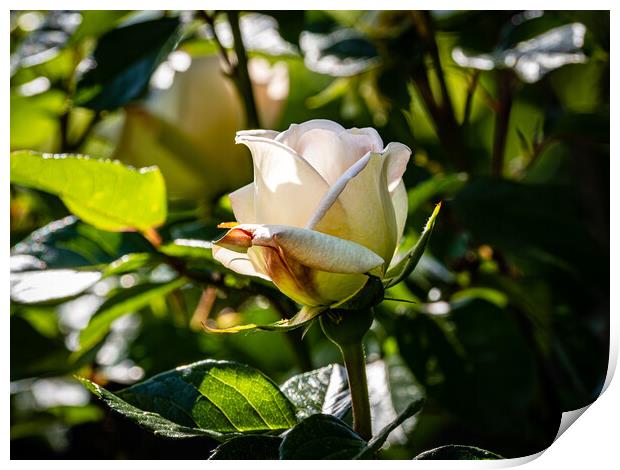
x=370, y=135
x=401, y=207
x=242, y=202
x=369, y=214
x=238, y=262
x=328, y=153
x=334, y=192
x=312, y=249
x=287, y=188
x=265, y=133
x=292, y=135
x=397, y=156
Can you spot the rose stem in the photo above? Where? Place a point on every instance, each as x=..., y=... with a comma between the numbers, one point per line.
x=346, y=329
x=353, y=355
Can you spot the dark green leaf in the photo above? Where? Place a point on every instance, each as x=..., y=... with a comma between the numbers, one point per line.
x=377, y=441
x=323, y=390
x=248, y=448
x=32, y=353
x=124, y=60
x=70, y=243
x=489, y=208
x=125, y=301
x=341, y=53
x=477, y=348
x=151, y=421
x=103, y=193
x=321, y=437
x=218, y=398
x=534, y=58
x=458, y=452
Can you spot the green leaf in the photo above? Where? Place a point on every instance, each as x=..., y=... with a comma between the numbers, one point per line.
x=248, y=448
x=301, y=318
x=550, y=227
x=153, y=422
x=340, y=53
x=34, y=120
x=221, y=399
x=70, y=243
x=125, y=301
x=477, y=348
x=406, y=266
x=129, y=263
x=441, y=186
x=96, y=22
x=458, y=452
x=103, y=193
x=124, y=60
x=321, y=437
x=188, y=249
x=377, y=441
x=323, y=390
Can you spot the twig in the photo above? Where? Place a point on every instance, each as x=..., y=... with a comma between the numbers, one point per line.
x=471, y=89
x=210, y=20
x=242, y=76
x=502, y=118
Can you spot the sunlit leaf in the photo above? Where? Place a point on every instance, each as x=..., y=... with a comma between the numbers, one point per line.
x=50, y=285
x=217, y=398
x=341, y=53
x=34, y=120
x=534, y=58
x=96, y=22
x=323, y=390
x=103, y=193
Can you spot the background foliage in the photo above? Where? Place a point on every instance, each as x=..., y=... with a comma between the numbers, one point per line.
x=508, y=116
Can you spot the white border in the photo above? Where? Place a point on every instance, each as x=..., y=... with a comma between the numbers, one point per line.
x=592, y=442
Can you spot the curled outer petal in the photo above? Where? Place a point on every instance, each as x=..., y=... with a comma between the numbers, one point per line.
x=310, y=267
x=376, y=180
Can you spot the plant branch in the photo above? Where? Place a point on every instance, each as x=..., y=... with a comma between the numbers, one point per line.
x=502, y=118
x=242, y=75
x=471, y=89
x=442, y=113
x=210, y=20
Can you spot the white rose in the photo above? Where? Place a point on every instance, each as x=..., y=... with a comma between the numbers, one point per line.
x=327, y=206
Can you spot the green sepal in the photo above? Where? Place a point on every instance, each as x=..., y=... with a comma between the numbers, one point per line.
x=367, y=297
x=406, y=266
x=302, y=318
